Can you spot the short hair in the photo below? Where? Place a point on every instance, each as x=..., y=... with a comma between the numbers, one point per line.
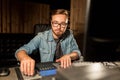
x=60, y=11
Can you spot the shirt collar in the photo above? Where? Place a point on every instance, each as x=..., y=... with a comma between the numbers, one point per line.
x=50, y=36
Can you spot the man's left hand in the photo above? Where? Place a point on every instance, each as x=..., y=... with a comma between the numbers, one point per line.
x=65, y=61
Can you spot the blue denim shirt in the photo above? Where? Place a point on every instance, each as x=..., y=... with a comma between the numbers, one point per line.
x=47, y=45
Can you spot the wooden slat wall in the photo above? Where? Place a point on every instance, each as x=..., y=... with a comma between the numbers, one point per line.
x=15, y=16
x=5, y=18
x=77, y=20
x=36, y=13
x=77, y=16
x=0, y=15
x=19, y=16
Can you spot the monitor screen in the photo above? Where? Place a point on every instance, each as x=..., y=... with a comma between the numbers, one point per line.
x=102, y=33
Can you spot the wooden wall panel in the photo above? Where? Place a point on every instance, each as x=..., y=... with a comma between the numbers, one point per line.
x=28, y=14
x=77, y=20
x=4, y=16
x=35, y=13
x=77, y=17
x=0, y=16
x=8, y=16
x=15, y=16
x=19, y=16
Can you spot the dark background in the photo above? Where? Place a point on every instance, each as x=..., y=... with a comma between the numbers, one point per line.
x=55, y=4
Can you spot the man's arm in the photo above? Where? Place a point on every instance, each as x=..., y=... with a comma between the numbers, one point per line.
x=74, y=55
x=21, y=55
x=27, y=64
x=68, y=57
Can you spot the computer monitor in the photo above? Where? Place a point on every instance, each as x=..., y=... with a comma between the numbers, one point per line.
x=102, y=33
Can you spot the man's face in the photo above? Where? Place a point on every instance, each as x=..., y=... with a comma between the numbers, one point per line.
x=59, y=25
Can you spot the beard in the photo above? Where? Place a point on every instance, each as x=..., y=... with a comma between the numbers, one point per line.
x=58, y=33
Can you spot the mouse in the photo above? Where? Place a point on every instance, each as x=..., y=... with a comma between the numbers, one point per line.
x=4, y=71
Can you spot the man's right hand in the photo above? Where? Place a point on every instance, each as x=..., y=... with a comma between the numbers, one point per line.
x=27, y=64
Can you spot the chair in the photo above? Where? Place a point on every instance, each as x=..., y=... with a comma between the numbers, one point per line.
x=38, y=28
x=41, y=28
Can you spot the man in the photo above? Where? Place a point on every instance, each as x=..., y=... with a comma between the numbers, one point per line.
x=47, y=41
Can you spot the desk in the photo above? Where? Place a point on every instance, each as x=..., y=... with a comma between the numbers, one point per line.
x=92, y=71
x=12, y=75
x=78, y=71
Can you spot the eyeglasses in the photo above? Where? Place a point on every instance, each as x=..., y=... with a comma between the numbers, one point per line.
x=63, y=24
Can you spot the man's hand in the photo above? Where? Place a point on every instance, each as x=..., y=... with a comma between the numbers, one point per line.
x=27, y=66
x=65, y=61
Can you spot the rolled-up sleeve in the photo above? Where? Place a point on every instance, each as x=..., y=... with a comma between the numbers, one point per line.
x=74, y=46
x=30, y=46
